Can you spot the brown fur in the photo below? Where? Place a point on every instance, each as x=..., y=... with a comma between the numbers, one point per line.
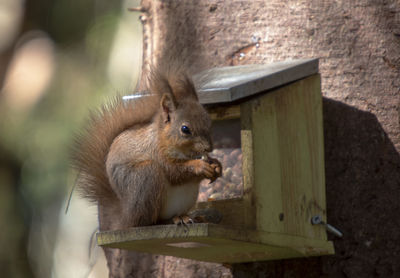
x=92, y=145
x=131, y=150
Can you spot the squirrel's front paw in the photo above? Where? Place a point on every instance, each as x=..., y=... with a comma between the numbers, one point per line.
x=210, y=169
x=216, y=165
x=202, y=168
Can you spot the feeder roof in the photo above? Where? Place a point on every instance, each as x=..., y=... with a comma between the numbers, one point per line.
x=228, y=84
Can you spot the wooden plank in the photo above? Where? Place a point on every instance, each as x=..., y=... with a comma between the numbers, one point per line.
x=267, y=173
x=176, y=233
x=227, y=84
x=152, y=232
x=214, y=243
x=248, y=207
x=299, y=123
x=289, y=166
x=315, y=129
x=211, y=250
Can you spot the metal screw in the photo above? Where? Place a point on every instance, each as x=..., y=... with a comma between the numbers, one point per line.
x=317, y=220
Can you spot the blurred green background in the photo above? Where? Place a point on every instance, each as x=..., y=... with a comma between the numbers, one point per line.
x=58, y=60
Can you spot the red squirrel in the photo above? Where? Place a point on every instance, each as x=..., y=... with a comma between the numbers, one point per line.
x=142, y=160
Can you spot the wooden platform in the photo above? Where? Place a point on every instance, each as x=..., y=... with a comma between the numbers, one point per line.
x=213, y=243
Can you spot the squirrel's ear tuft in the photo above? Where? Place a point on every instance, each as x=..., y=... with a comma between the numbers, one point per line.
x=170, y=78
x=168, y=106
x=183, y=87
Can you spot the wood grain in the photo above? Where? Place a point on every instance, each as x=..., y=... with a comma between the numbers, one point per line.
x=227, y=84
x=288, y=158
x=213, y=243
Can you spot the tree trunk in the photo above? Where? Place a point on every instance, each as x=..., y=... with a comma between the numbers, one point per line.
x=358, y=43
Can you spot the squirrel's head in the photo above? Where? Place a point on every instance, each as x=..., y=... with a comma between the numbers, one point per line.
x=184, y=125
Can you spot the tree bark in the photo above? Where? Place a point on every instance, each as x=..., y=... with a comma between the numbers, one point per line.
x=358, y=43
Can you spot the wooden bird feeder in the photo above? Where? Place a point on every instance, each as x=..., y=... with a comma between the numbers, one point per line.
x=268, y=134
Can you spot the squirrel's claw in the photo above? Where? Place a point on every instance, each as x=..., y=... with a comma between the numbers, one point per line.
x=213, y=179
x=182, y=220
x=187, y=220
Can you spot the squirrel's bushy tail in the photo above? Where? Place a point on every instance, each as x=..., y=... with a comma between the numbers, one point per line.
x=91, y=146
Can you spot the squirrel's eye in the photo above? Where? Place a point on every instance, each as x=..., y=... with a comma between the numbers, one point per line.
x=185, y=130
